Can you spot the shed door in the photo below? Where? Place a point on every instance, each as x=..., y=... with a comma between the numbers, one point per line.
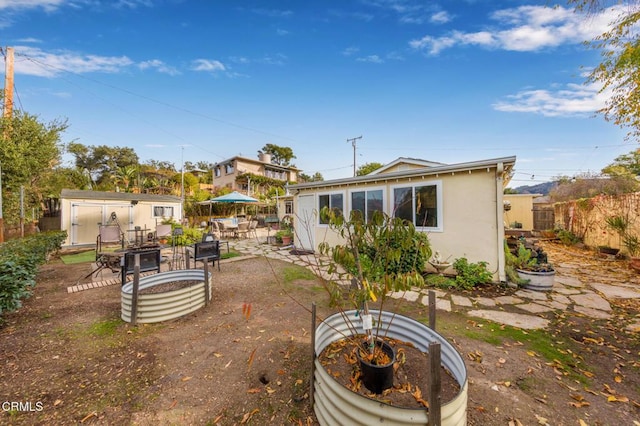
x=306, y=220
x=85, y=218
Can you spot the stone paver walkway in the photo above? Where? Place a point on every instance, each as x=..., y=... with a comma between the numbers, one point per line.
x=582, y=285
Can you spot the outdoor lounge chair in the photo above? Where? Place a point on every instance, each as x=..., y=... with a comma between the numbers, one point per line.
x=108, y=236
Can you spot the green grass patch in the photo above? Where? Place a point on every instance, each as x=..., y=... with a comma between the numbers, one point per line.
x=229, y=255
x=104, y=328
x=542, y=343
x=84, y=257
x=293, y=273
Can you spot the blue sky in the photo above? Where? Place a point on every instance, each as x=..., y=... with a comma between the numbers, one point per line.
x=195, y=80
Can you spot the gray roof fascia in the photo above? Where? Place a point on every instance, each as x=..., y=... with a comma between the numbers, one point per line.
x=448, y=168
x=121, y=196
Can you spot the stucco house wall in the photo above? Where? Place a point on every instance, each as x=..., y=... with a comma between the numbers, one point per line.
x=470, y=207
x=81, y=212
x=521, y=210
x=226, y=172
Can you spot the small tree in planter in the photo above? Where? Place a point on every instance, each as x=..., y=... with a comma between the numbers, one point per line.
x=383, y=255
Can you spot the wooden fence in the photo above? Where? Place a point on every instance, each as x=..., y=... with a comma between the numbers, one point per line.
x=587, y=217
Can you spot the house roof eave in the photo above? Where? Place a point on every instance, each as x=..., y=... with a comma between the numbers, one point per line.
x=507, y=162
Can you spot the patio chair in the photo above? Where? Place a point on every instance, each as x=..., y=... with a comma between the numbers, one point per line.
x=214, y=229
x=162, y=232
x=253, y=229
x=208, y=250
x=224, y=232
x=108, y=236
x=243, y=230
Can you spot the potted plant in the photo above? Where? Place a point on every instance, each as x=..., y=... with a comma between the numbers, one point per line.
x=381, y=256
x=532, y=270
x=284, y=236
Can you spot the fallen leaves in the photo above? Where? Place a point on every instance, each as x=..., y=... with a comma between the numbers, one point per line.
x=417, y=394
x=475, y=356
x=246, y=310
x=248, y=416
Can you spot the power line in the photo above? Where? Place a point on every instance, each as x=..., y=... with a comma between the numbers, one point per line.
x=163, y=103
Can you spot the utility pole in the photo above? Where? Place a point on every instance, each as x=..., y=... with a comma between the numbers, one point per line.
x=353, y=144
x=182, y=177
x=7, y=113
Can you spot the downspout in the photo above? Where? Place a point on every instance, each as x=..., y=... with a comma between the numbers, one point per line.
x=500, y=221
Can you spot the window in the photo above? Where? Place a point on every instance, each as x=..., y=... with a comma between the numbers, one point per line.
x=228, y=168
x=162, y=211
x=217, y=171
x=331, y=201
x=421, y=205
x=288, y=207
x=367, y=202
x=426, y=206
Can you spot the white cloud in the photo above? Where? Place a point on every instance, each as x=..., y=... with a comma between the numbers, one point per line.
x=158, y=65
x=282, y=32
x=33, y=61
x=408, y=11
x=48, y=5
x=570, y=100
x=441, y=17
x=208, y=65
x=374, y=59
x=526, y=28
x=273, y=13
x=350, y=51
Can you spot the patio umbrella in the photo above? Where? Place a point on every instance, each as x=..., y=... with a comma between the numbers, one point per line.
x=233, y=197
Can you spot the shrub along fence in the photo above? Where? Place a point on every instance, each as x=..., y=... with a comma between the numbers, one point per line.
x=19, y=263
x=587, y=217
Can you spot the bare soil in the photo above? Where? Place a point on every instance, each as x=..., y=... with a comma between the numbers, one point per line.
x=246, y=358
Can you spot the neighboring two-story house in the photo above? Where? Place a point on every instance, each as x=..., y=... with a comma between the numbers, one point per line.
x=225, y=173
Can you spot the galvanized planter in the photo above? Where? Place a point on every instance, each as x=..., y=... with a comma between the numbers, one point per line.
x=539, y=281
x=168, y=305
x=335, y=404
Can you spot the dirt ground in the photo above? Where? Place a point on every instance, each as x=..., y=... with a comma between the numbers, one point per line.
x=245, y=358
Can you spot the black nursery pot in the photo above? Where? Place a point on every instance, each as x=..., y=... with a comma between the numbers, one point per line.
x=377, y=378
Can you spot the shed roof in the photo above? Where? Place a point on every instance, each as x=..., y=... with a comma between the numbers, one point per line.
x=119, y=196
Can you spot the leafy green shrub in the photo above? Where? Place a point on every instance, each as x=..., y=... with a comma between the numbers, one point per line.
x=567, y=238
x=19, y=262
x=439, y=281
x=471, y=274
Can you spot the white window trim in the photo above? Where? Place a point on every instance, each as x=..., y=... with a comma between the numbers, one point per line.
x=345, y=203
x=366, y=189
x=164, y=206
x=413, y=185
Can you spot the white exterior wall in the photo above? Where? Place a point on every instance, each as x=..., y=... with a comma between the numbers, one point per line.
x=83, y=229
x=472, y=224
